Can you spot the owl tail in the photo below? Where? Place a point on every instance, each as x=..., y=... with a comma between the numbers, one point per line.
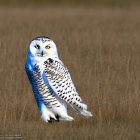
x=82, y=111
x=86, y=113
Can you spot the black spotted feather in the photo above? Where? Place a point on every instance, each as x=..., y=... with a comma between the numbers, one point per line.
x=61, y=82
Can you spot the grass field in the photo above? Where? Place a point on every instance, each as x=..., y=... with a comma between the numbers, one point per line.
x=100, y=47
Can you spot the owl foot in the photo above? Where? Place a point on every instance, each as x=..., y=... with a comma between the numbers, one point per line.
x=48, y=117
x=52, y=119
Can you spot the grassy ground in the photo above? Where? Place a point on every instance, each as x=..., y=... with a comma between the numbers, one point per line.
x=101, y=49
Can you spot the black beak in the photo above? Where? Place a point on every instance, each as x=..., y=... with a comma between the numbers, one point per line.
x=42, y=53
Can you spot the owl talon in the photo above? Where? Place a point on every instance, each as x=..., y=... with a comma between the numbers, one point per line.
x=50, y=121
x=57, y=117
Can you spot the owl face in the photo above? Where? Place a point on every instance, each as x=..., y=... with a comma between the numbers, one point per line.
x=41, y=47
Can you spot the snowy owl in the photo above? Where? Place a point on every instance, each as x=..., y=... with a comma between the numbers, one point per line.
x=51, y=82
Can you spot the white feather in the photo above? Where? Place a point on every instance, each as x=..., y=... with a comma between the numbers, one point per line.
x=51, y=82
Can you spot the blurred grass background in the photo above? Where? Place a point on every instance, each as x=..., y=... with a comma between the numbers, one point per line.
x=95, y=3
x=98, y=42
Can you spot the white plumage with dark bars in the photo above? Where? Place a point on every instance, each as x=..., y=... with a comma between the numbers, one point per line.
x=51, y=82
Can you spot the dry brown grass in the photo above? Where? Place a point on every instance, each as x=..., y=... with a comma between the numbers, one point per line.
x=100, y=47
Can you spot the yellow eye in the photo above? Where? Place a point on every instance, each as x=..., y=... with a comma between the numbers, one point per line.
x=47, y=47
x=37, y=46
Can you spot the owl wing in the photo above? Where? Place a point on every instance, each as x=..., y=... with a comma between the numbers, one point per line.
x=43, y=94
x=60, y=81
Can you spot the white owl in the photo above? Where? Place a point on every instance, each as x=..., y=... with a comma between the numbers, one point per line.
x=51, y=82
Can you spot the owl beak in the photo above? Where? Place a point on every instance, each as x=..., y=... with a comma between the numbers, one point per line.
x=42, y=53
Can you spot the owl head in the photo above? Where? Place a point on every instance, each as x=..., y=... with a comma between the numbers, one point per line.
x=42, y=47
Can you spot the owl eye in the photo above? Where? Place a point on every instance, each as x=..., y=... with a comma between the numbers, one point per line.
x=47, y=47
x=37, y=46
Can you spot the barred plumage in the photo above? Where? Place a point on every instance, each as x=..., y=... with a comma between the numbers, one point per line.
x=51, y=82
x=58, y=71
x=42, y=93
